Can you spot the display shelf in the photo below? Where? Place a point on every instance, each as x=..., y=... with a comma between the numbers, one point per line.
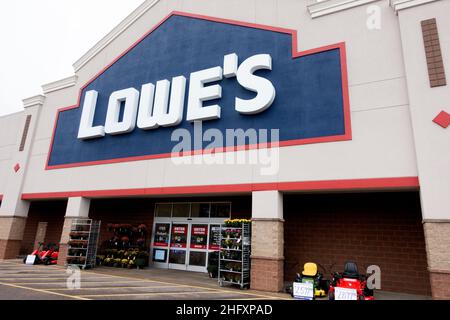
x=230, y=260
x=86, y=249
x=232, y=271
x=237, y=254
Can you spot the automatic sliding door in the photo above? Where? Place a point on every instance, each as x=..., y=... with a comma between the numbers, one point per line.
x=178, y=247
x=198, y=247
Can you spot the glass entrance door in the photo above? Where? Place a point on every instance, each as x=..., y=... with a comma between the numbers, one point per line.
x=184, y=245
x=178, y=252
x=187, y=235
x=198, y=247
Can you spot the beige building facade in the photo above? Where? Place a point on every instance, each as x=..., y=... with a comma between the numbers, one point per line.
x=392, y=150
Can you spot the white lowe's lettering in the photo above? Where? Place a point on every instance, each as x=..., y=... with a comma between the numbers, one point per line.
x=163, y=104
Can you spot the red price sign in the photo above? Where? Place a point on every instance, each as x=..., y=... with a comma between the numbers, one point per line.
x=199, y=236
x=179, y=230
x=200, y=231
x=179, y=236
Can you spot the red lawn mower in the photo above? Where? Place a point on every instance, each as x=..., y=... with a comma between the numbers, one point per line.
x=349, y=285
x=48, y=256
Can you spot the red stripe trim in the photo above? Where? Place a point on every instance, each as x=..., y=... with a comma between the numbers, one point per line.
x=295, y=54
x=329, y=185
x=1, y=197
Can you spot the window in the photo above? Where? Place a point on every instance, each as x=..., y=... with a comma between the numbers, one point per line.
x=193, y=210
x=220, y=210
x=164, y=210
x=181, y=210
x=200, y=210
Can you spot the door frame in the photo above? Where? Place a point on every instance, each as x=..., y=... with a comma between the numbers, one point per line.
x=189, y=222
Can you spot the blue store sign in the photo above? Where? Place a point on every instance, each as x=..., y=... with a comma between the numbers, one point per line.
x=190, y=68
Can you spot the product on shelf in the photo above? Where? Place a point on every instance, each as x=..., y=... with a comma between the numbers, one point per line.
x=127, y=247
x=234, y=257
x=83, y=242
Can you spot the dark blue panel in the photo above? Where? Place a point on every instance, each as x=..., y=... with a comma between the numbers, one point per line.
x=309, y=101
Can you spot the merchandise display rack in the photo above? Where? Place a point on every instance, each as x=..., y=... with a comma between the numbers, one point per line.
x=234, y=259
x=82, y=250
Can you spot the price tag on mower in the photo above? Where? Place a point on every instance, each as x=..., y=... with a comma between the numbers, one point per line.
x=345, y=294
x=30, y=259
x=303, y=291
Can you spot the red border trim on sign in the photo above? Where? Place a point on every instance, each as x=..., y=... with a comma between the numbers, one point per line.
x=329, y=185
x=295, y=54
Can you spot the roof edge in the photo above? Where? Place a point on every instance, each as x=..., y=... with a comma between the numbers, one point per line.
x=60, y=84
x=114, y=34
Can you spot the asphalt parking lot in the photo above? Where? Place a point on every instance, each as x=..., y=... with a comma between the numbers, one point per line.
x=20, y=282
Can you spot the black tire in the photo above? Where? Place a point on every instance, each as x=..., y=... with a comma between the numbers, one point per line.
x=330, y=295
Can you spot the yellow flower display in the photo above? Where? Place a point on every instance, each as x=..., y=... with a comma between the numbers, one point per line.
x=236, y=222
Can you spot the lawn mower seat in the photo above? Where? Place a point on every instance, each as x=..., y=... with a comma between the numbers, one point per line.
x=310, y=269
x=351, y=270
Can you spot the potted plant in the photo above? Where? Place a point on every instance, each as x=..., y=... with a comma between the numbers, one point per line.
x=213, y=264
x=124, y=263
x=141, y=259
x=142, y=228
x=117, y=262
x=228, y=243
x=100, y=259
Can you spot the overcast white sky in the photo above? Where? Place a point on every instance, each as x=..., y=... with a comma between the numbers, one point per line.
x=41, y=39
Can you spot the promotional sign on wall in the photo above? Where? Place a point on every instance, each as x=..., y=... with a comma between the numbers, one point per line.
x=199, y=236
x=162, y=235
x=214, y=237
x=179, y=236
x=224, y=74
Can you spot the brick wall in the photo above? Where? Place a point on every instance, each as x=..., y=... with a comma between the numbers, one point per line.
x=266, y=274
x=435, y=64
x=11, y=233
x=440, y=283
x=9, y=249
x=438, y=241
x=51, y=212
x=383, y=229
x=264, y=246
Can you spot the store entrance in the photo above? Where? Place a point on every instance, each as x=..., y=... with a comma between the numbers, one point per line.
x=189, y=244
x=185, y=243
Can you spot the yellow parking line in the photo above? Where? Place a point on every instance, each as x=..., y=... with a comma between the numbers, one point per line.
x=144, y=294
x=82, y=281
x=193, y=286
x=44, y=278
x=252, y=299
x=43, y=291
x=170, y=283
x=113, y=288
x=31, y=268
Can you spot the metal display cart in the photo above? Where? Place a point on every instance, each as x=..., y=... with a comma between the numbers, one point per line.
x=82, y=250
x=234, y=258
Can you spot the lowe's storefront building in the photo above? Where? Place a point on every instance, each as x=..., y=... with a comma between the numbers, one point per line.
x=324, y=122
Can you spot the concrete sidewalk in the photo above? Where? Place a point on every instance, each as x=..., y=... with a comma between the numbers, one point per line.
x=18, y=281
